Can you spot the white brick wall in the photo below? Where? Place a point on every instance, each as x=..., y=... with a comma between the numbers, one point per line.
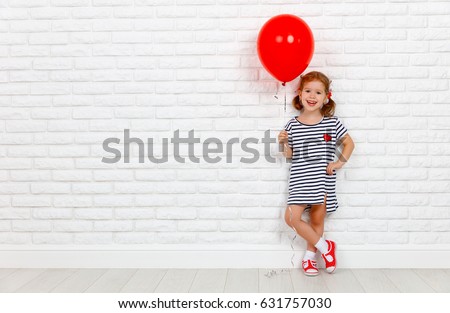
x=73, y=73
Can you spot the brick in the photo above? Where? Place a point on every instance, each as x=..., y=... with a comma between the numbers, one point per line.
x=364, y=174
x=14, y=188
x=14, y=14
x=260, y=213
x=5, y=226
x=137, y=214
x=92, y=188
x=14, y=213
x=406, y=174
x=50, y=213
x=387, y=238
x=156, y=201
x=410, y=226
x=89, y=38
x=30, y=175
x=15, y=238
x=116, y=226
x=115, y=200
x=52, y=238
x=72, y=226
x=405, y=22
x=48, y=39
x=176, y=238
x=387, y=187
x=218, y=213
x=134, y=238
x=29, y=26
x=113, y=25
x=197, y=226
x=26, y=4
x=175, y=12
x=237, y=226
x=176, y=213
x=50, y=188
x=432, y=9
x=131, y=38
x=424, y=238
x=408, y=200
x=94, y=12
x=71, y=26
x=93, y=214
x=216, y=237
x=260, y=238
x=31, y=201
x=108, y=50
x=387, y=9
x=31, y=226
x=93, y=238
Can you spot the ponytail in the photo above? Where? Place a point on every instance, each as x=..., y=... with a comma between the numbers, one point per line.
x=297, y=103
x=328, y=109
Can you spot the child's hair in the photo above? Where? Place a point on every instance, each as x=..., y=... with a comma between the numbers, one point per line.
x=327, y=109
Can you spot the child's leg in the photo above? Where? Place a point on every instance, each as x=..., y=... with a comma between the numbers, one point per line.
x=293, y=218
x=317, y=221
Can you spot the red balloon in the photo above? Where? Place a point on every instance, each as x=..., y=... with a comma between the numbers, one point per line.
x=285, y=46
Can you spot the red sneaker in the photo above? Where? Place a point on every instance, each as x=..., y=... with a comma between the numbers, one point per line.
x=310, y=267
x=330, y=257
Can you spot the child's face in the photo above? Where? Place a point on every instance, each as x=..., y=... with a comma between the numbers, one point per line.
x=313, y=95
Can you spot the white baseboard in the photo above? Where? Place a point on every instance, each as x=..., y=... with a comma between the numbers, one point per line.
x=215, y=256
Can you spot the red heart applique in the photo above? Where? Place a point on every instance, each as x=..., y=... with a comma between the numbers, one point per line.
x=327, y=137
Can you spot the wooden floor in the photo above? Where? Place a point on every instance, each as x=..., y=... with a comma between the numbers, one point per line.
x=222, y=280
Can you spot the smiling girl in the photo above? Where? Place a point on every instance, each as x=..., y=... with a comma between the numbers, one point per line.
x=310, y=139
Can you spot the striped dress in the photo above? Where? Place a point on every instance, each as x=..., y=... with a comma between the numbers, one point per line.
x=314, y=146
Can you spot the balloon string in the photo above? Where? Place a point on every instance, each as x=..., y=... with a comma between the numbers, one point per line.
x=282, y=149
x=293, y=239
x=276, y=94
x=271, y=273
x=290, y=210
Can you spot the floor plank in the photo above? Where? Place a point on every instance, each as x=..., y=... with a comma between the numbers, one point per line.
x=279, y=282
x=176, y=280
x=19, y=278
x=80, y=281
x=144, y=280
x=406, y=280
x=374, y=280
x=436, y=279
x=307, y=284
x=342, y=280
x=223, y=280
x=47, y=280
x=113, y=280
x=209, y=280
x=4, y=272
x=242, y=280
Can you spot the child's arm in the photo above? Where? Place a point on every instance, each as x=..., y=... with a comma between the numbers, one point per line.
x=287, y=151
x=349, y=145
x=283, y=139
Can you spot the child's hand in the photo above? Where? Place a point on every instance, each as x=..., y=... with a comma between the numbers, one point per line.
x=283, y=137
x=334, y=166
